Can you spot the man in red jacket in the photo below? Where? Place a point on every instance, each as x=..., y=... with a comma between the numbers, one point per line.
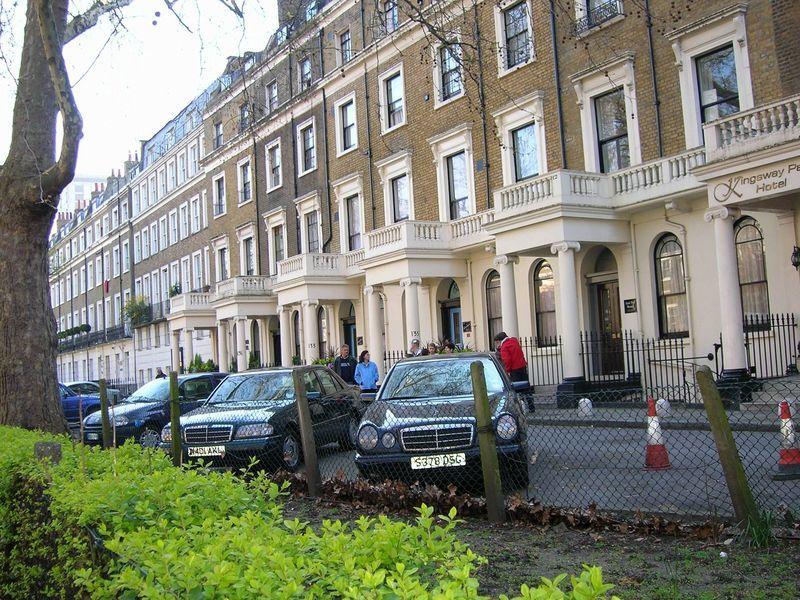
x=512, y=357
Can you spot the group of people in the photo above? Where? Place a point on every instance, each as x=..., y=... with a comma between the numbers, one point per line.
x=447, y=347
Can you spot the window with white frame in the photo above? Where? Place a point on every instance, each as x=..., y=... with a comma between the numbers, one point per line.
x=162, y=183
x=154, y=238
x=304, y=74
x=186, y=274
x=306, y=147
x=221, y=258
x=391, y=18
x=348, y=192
x=275, y=222
x=448, y=79
x=193, y=160
x=152, y=194
x=218, y=187
x=274, y=171
x=137, y=248
x=116, y=263
x=519, y=126
x=183, y=220
x=345, y=47
x=248, y=265
x=392, y=98
x=126, y=257
x=195, y=216
x=89, y=280
x=245, y=193
x=173, y=227
x=114, y=218
x=218, y=135
x=272, y=96
x=312, y=227
x=713, y=62
x=353, y=208
x=345, y=117
x=395, y=174
x=106, y=266
x=244, y=117
x=145, y=243
x=172, y=176
x=197, y=271
x=83, y=280
x=124, y=212
x=514, y=34
x=308, y=211
x=452, y=152
x=164, y=233
x=181, y=167
x=609, y=115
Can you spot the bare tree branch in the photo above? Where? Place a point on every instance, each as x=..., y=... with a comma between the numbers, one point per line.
x=170, y=4
x=234, y=7
x=61, y=173
x=89, y=19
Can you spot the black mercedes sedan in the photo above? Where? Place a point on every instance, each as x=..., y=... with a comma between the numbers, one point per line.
x=142, y=414
x=422, y=424
x=254, y=415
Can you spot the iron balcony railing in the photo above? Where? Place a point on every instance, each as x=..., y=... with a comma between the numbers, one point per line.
x=597, y=15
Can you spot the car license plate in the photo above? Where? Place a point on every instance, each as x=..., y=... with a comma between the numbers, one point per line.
x=439, y=460
x=206, y=451
x=93, y=436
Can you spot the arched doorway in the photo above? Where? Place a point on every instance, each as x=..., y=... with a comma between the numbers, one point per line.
x=254, y=360
x=606, y=317
x=273, y=325
x=348, y=320
x=297, y=358
x=450, y=304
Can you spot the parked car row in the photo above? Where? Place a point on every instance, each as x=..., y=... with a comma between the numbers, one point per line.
x=421, y=424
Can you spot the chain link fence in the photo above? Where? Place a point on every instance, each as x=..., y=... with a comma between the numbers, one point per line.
x=620, y=451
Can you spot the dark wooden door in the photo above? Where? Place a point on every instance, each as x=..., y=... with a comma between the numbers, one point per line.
x=610, y=322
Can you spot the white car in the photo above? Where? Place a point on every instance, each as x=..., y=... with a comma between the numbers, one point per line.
x=92, y=388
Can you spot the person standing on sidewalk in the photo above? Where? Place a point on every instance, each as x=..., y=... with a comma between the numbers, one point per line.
x=511, y=356
x=345, y=365
x=366, y=373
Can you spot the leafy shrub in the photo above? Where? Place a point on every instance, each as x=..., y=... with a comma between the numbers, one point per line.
x=137, y=310
x=191, y=533
x=253, y=362
x=77, y=330
x=198, y=366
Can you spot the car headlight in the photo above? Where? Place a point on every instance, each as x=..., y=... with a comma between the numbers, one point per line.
x=120, y=420
x=506, y=427
x=368, y=437
x=254, y=430
x=388, y=440
x=166, y=434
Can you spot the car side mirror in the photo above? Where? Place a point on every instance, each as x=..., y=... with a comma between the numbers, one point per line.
x=520, y=386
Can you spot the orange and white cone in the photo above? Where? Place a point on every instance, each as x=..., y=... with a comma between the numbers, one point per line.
x=789, y=456
x=657, y=457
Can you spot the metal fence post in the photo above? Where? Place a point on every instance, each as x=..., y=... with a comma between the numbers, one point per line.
x=744, y=506
x=175, y=419
x=107, y=441
x=495, y=505
x=313, y=477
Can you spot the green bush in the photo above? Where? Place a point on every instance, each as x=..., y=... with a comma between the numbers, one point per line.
x=198, y=366
x=189, y=533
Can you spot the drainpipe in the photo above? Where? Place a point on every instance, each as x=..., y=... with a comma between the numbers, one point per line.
x=327, y=241
x=369, y=120
x=656, y=101
x=557, y=79
x=482, y=100
x=254, y=179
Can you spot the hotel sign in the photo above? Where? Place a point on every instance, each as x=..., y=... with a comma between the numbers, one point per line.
x=757, y=183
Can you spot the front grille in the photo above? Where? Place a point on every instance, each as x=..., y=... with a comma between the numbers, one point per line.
x=207, y=434
x=443, y=436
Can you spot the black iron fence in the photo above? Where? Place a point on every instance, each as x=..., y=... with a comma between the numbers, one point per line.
x=771, y=343
x=597, y=15
x=94, y=338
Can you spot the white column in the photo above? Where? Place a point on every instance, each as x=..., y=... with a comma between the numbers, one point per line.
x=263, y=343
x=188, y=347
x=284, y=316
x=222, y=347
x=269, y=348
x=241, y=351
x=730, y=306
x=375, y=341
x=214, y=339
x=568, y=308
x=333, y=329
x=176, y=351
x=310, y=331
x=411, y=285
x=508, y=294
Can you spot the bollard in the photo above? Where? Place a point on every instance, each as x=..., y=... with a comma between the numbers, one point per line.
x=585, y=408
x=744, y=506
x=663, y=408
x=306, y=434
x=107, y=441
x=175, y=419
x=495, y=505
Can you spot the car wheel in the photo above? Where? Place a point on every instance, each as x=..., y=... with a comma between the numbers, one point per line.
x=149, y=438
x=348, y=441
x=291, y=452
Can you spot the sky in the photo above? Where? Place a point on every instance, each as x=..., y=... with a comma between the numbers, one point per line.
x=128, y=84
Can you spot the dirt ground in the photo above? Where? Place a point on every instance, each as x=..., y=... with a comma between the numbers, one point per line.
x=646, y=567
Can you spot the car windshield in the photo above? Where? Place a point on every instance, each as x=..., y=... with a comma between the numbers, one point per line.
x=155, y=391
x=65, y=391
x=257, y=388
x=438, y=379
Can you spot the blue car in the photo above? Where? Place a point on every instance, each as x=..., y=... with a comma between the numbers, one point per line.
x=77, y=405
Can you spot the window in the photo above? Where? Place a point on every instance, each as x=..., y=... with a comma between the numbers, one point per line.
x=217, y=134
x=219, y=196
x=305, y=74
x=193, y=160
x=171, y=176
x=353, y=206
x=752, y=271
x=311, y=10
x=222, y=264
x=151, y=195
x=89, y=280
x=173, y=227
x=393, y=90
x=145, y=243
x=347, y=138
x=308, y=152
x=126, y=258
x=197, y=271
x=115, y=270
x=195, y=208
x=494, y=311
x=114, y=218
x=154, y=239
x=183, y=215
x=272, y=96
x=545, y=305
x=345, y=47
x=274, y=173
x=451, y=84
x=390, y=16
x=248, y=259
x=612, y=131
x=164, y=233
x=458, y=191
x=716, y=80
x=244, y=182
x=278, y=247
x=312, y=231
x=516, y=36
x=523, y=146
x=400, y=200
x=673, y=312
x=244, y=117
x=182, y=168
x=162, y=183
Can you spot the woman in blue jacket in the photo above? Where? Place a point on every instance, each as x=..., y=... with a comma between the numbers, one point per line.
x=366, y=372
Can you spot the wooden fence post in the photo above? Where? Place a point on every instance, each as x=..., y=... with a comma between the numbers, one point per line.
x=175, y=419
x=495, y=504
x=107, y=441
x=306, y=434
x=744, y=506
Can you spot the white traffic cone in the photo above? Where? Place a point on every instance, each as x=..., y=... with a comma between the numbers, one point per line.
x=656, y=457
x=789, y=455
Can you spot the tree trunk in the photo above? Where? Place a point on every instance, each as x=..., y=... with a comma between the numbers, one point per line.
x=28, y=390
